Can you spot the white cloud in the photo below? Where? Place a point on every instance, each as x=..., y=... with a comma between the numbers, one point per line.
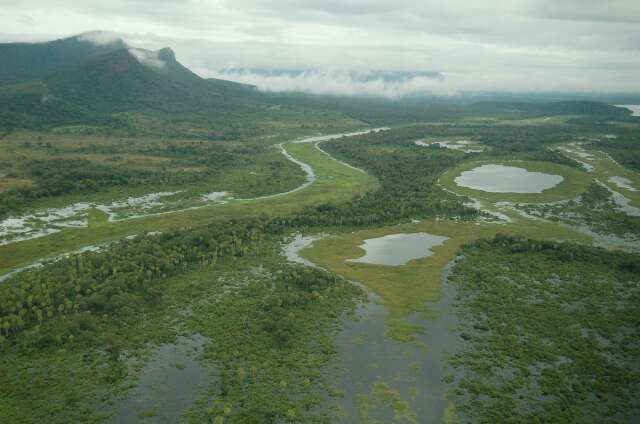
x=586, y=45
x=100, y=38
x=338, y=82
x=148, y=58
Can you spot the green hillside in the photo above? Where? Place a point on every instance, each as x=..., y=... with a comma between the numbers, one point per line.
x=27, y=61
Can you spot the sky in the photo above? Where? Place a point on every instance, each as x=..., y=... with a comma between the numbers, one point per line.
x=473, y=45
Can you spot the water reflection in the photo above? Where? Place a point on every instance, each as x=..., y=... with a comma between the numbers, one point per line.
x=411, y=374
x=169, y=384
x=398, y=249
x=507, y=179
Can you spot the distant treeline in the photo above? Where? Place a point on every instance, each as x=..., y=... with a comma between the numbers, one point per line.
x=625, y=149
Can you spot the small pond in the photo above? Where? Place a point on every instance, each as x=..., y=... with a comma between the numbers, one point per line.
x=169, y=384
x=622, y=182
x=398, y=249
x=507, y=179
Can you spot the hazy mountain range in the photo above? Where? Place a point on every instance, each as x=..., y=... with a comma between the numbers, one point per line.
x=87, y=79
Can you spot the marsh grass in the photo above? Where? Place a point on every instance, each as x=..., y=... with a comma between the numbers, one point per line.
x=336, y=182
x=406, y=290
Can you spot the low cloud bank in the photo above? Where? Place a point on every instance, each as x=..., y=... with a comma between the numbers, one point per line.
x=398, y=84
x=100, y=38
x=390, y=84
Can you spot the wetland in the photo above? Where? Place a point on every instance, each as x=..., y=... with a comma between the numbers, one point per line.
x=362, y=288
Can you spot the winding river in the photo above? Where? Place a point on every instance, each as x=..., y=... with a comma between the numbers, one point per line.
x=13, y=230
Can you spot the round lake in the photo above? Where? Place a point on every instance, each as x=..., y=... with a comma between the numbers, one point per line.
x=398, y=249
x=507, y=179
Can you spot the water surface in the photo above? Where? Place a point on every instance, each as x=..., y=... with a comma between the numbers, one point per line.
x=622, y=182
x=169, y=384
x=398, y=249
x=415, y=371
x=292, y=249
x=507, y=179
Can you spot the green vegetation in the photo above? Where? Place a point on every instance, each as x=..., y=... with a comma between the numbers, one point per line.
x=270, y=339
x=605, y=169
x=406, y=174
x=407, y=289
x=92, y=314
x=385, y=398
x=66, y=169
x=336, y=183
x=623, y=148
x=551, y=331
x=594, y=209
x=115, y=281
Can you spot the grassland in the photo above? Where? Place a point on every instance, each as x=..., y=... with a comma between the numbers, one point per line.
x=573, y=184
x=335, y=182
x=604, y=167
x=135, y=167
x=538, y=121
x=407, y=289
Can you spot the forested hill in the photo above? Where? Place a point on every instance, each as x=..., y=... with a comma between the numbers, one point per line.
x=28, y=61
x=78, y=82
x=133, y=79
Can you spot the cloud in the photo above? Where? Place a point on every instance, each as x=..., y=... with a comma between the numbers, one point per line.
x=148, y=58
x=587, y=45
x=622, y=11
x=100, y=38
x=392, y=85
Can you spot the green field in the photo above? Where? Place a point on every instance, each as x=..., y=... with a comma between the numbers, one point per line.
x=604, y=168
x=409, y=288
x=336, y=182
x=333, y=202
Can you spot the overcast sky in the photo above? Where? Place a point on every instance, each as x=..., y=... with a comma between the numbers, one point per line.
x=514, y=45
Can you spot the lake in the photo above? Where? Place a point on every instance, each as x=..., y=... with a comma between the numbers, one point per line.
x=507, y=179
x=398, y=249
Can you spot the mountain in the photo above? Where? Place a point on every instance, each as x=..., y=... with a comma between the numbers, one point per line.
x=95, y=82
x=28, y=61
x=127, y=79
x=99, y=85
